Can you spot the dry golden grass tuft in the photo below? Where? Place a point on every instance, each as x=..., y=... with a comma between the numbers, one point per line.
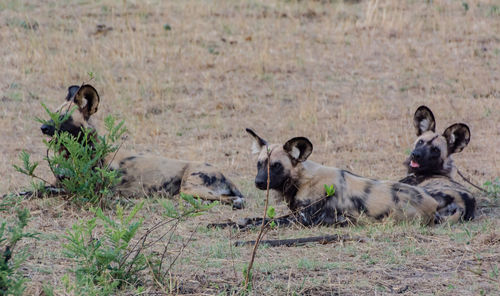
x=189, y=76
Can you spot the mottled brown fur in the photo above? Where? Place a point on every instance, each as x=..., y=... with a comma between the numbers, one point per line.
x=141, y=174
x=431, y=167
x=301, y=184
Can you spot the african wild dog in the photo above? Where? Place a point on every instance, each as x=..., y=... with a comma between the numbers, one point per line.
x=142, y=175
x=430, y=165
x=300, y=183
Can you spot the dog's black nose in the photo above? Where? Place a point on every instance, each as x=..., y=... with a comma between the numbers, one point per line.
x=416, y=155
x=47, y=130
x=261, y=184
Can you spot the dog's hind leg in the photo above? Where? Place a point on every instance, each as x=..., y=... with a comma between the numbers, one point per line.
x=194, y=185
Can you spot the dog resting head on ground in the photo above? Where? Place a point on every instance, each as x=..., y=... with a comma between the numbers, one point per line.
x=144, y=175
x=301, y=184
x=430, y=165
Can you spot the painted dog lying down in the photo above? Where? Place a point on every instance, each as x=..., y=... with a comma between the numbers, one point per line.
x=431, y=167
x=142, y=174
x=300, y=183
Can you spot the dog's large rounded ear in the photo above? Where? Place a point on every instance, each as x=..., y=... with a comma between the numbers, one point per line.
x=72, y=90
x=298, y=148
x=423, y=120
x=258, y=142
x=457, y=137
x=87, y=100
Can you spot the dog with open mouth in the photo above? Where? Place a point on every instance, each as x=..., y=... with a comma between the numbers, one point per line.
x=431, y=167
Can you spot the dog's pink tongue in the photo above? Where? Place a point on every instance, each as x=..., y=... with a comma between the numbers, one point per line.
x=414, y=164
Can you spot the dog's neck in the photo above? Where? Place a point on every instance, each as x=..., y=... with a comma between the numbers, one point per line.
x=448, y=170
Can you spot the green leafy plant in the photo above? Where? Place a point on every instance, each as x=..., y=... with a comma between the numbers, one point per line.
x=493, y=188
x=108, y=262
x=247, y=274
x=113, y=260
x=271, y=213
x=28, y=168
x=12, y=281
x=78, y=162
x=330, y=190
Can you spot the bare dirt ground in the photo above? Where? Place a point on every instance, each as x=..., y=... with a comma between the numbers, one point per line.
x=189, y=76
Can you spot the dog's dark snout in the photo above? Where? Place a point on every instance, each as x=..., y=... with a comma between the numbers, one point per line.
x=47, y=129
x=260, y=183
x=416, y=155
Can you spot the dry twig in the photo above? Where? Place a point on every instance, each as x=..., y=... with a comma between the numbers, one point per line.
x=324, y=239
x=264, y=225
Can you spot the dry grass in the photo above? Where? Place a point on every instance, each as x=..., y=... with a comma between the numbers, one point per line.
x=347, y=75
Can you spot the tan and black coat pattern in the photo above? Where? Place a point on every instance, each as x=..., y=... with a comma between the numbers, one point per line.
x=143, y=175
x=431, y=167
x=301, y=184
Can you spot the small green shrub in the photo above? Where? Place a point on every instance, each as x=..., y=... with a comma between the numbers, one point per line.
x=114, y=260
x=79, y=165
x=104, y=263
x=12, y=281
x=493, y=188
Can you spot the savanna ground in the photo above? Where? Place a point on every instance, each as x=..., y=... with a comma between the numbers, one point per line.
x=189, y=76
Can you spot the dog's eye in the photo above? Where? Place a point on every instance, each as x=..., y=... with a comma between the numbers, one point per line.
x=435, y=150
x=420, y=142
x=276, y=165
